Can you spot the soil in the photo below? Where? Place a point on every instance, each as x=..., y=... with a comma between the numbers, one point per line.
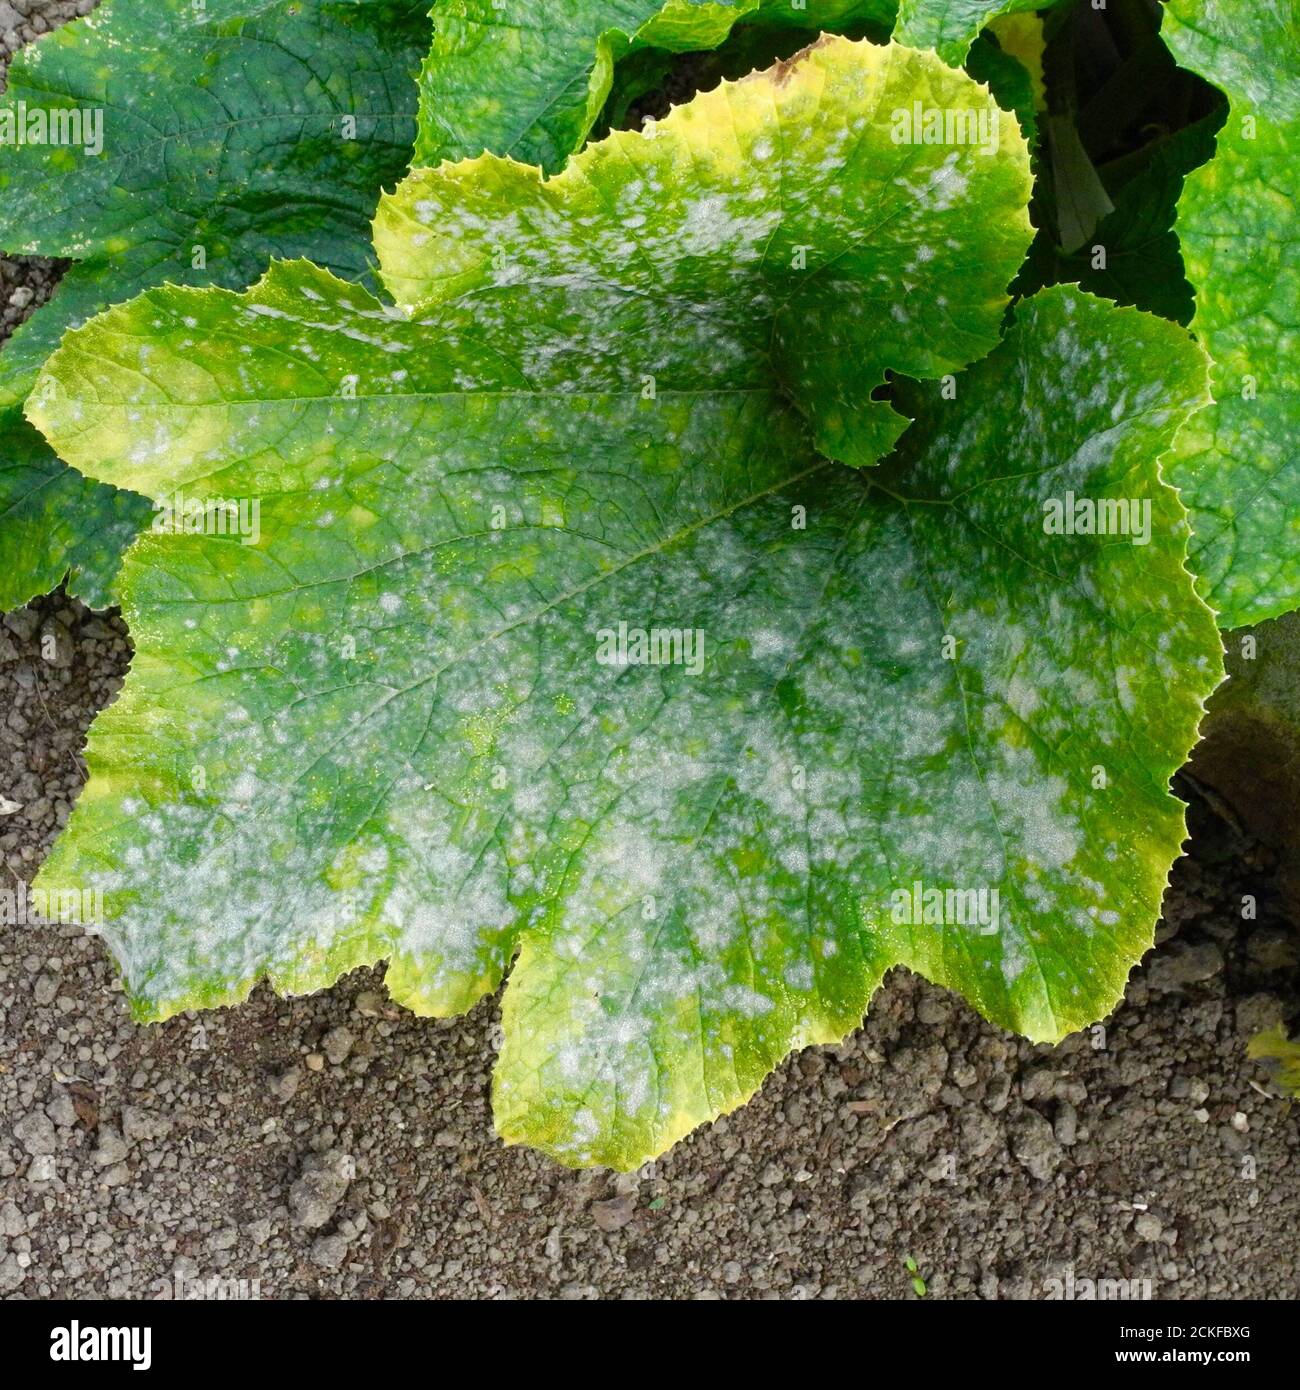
x=336, y=1146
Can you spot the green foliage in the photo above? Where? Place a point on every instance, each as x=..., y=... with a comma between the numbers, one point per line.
x=667, y=584
x=1142, y=262
x=231, y=134
x=56, y=523
x=1237, y=225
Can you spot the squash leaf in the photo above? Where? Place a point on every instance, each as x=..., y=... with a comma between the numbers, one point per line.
x=1236, y=462
x=563, y=640
x=228, y=134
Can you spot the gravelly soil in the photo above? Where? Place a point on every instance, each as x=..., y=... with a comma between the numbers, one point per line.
x=337, y=1146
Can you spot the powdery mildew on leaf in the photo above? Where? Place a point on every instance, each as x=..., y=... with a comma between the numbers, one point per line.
x=776, y=222
x=413, y=722
x=1236, y=462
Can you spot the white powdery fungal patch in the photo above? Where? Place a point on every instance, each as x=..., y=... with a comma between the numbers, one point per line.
x=713, y=227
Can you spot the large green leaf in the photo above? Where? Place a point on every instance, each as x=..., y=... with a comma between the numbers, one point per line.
x=529, y=78
x=385, y=728
x=1236, y=462
x=224, y=144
